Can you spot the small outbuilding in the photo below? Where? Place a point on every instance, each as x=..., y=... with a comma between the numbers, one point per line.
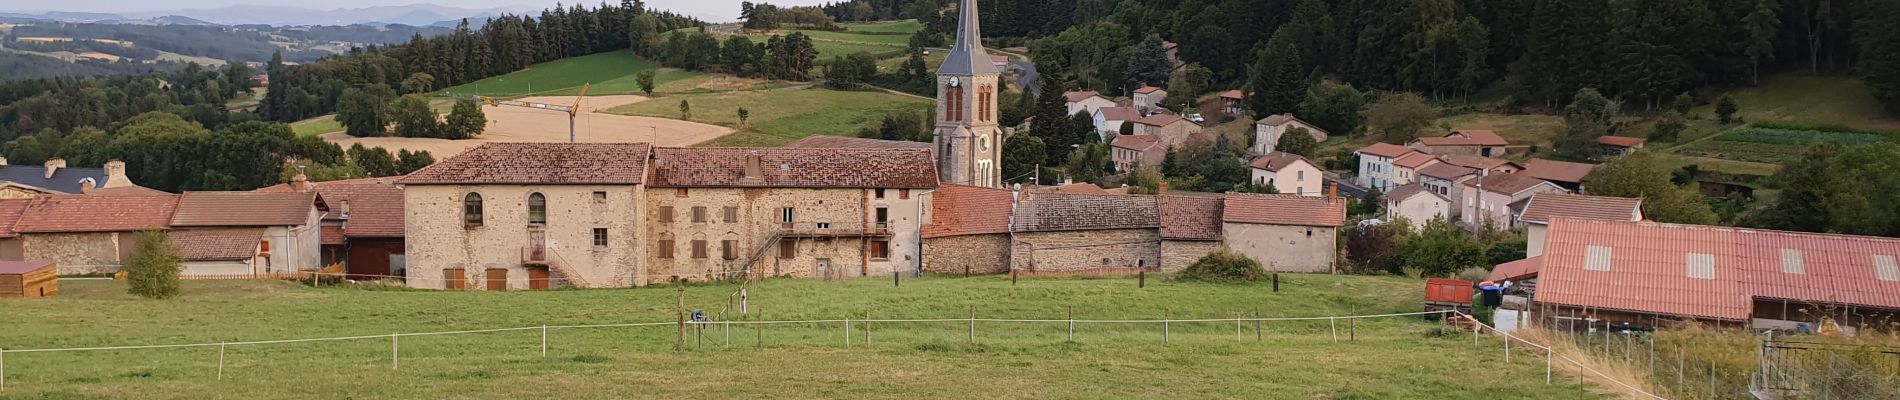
x=28, y=279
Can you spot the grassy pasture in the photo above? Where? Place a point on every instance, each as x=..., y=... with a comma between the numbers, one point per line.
x=779, y=116
x=610, y=73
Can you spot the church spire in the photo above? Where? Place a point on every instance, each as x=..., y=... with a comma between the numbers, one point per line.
x=967, y=56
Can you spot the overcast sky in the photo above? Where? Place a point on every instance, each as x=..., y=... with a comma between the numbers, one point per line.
x=721, y=10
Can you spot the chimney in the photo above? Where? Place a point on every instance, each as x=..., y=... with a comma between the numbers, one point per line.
x=115, y=175
x=54, y=164
x=1163, y=189
x=300, y=182
x=344, y=207
x=1334, y=194
x=753, y=173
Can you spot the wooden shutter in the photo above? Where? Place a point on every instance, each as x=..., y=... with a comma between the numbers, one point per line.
x=699, y=248
x=497, y=280
x=452, y=279
x=880, y=249
x=538, y=278
x=666, y=214
x=788, y=248
x=729, y=249
x=666, y=249
x=732, y=214
x=699, y=214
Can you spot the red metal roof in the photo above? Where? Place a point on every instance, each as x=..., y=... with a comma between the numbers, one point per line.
x=1650, y=267
x=1284, y=209
x=1516, y=270
x=957, y=210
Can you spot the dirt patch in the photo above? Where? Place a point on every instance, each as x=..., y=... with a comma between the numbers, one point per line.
x=517, y=124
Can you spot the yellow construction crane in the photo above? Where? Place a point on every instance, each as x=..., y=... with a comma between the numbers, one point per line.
x=572, y=111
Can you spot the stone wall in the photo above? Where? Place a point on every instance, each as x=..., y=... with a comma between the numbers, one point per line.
x=760, y=215
x=16, y=192
x=439, y=240
x=975, y=254
x=1177, y=255
x=1285, y=248
x=1086, y=250
x=76, y=253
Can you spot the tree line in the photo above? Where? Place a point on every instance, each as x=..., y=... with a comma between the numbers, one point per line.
x=505, y=44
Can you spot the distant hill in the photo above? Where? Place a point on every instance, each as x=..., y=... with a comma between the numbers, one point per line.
x=412, y=15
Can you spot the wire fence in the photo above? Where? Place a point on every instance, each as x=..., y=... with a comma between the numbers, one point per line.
x=1550, y=357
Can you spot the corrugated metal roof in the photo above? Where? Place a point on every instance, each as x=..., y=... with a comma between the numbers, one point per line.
x=1516, y=270
x=1649, y=268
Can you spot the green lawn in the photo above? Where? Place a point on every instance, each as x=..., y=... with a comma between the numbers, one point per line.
x=316, y=126
x=1379, y=359
x=779, y=116
x=904, y=27
x=1829, y=100
x=614, y=72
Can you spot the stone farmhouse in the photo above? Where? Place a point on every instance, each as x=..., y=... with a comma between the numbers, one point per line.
x=1173, y=130
x=1095, y=234
x=216, y=233
x=508, y=216
x=1130, y=150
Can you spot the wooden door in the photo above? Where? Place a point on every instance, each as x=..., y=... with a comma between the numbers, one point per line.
x=824, y=268
x=537, y=278
x=452, y=279
x=497, y=280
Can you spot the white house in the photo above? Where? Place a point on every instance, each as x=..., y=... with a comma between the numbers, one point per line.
x=1086, y=102
x=1268, y=130
x=1110, y=119
x=1375, y=165
x=1288, y=173
x=1150, y=97
x=1417, y=203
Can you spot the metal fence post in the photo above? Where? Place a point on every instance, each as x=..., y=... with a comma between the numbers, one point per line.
x=220, y=360
x=3, y=369
x=1335, y=324
x=1071, y=323
x=972, y=325
x=847, y=331
x=544, y=341
x=395, y=350
x=1165, y=328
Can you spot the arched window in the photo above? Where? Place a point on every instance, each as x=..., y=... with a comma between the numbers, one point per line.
x=537, y=209
x=472, y=209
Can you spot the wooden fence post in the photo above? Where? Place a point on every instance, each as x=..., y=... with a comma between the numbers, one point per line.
x=679, y=310
x=544, y=341
x=3, y=369
x=220, y=360
x=1256, y=324
x=847, y=330
x=395, y=350
x=1334, y=322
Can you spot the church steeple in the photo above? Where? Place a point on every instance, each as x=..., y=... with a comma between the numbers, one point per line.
x=969, y=143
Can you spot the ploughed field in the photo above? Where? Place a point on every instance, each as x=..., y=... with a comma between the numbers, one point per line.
x=1401, y=357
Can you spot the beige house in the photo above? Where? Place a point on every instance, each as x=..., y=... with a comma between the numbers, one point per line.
x=1149, y=98
x=1086, y=102
x=1267, y=131
x=1173, y=130
x=1286, y=233
x=1108, y=120
x=235, y=233
x=1416, y=203
x=1447, y=181
x=1481, y=143
x=1405, y=168
x=509, y=216
x=1487, y=164
x=1288, y=173
x=1545, y=206
x=1131, y=150
x=1496, y=199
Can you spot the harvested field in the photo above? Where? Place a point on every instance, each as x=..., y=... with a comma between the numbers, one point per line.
x=516, y=124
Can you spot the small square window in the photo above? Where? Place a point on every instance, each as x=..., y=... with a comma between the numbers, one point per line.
x=880, y=250
x=878, y=193
x=600, y=197
x=699, y=214
x=665, y=248
x=600, y=237
x=788, y=248
x=824, y=225
x=699, y=249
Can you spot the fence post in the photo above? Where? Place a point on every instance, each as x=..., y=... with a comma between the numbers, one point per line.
x=544, y=341
x=1507, y=349
x=1712, y=379
x=1256, y=324
x=3, y=369
x=1071, y=323
x=220, y=360
x=1352, y=335
x=1237, y=329
x=972, y=325
x=758, y=329
x=847, y=330
x=1141, y=277
x=1548, y=355
x=867, y=328
x=1334, y=322
x=894, y=280
x=395, y=350
x=679, y=311
x=1679, y=368
x=1165, y=329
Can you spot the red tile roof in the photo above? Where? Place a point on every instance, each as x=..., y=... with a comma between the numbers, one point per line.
x=81, y=213
x=375, y=205
x=1276, y=161
x=1147, y=89
x=856, y=168
x=1386, y=150
x=1136, y=142
x=1071, y=212
x=217, y=244
x=1516, y=270
x=1414, y=160
x=1558, y=171
x=846, y=142
x=1446, y=171
x=1079, y=96
x=125, y=190
x=539, y=163
x=1232, y=94
x=1509, y=184
x=1284, y=209
x=1620, y=141
x=1544, y=206
x=957, y=210
x=245, y=209
x=1160, y=120
x=1466, y=138
x=1073, y=188
x=10, y=210
x=1477, y=162
x=1123, y=113
x=1649, y=266
x=1190, y=218
x=1408, y=190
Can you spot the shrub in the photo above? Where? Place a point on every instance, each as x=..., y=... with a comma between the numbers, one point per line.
x=152, y=271
x=1223, y=266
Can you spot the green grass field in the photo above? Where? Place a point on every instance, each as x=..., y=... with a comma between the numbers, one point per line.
x=904, y=27
x=1771, y=145
x=779, y=116
x=316, y=126
x=614, y=72
x=1829, y=100
x=1377, y=359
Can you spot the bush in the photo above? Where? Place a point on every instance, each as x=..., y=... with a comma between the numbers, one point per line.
x=152, y=271
x=1223, y=266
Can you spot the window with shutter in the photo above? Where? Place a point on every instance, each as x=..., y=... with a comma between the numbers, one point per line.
x=788, y=249
x=729, y=249
x=537, y=209
x=880, y=250
x=665, y=248
x=452, y=279
x=732, y=214
x=699, y=214
x=666, y=214
x=699, y=248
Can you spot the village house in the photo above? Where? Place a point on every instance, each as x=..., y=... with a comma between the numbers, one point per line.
x=1480, y=143
x=1132, y=150
x=1565, y=174
x=508, y=216
x=1487, y=164
x=1268, y=130
x=1288, y=173
x=234, y=233
x=1444, y=179
x=1191, y=227
x=25, y=181
x=1418, y=204
x=1544, y=206
x=364, y=228
x=1150, y=98
x=1109, y=120
x=1495, y=199
x=89, y=234
x=1086, y=102
x=1173, y=130
x=1648, y=274
x=1232, y=102
x=965, y=239
x=1405, y=168
x=1619, y=145
x=1286, y=233
x=1375, y=165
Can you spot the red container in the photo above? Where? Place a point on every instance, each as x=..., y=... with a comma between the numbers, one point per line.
x=1449, y=291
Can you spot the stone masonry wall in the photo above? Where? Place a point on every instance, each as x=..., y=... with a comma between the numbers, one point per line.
x=1177, y=255
x=1086, y=250
x=976, y=254
x=760, y=215
x=1285, y=248
x=438, y=240
x=76, y=253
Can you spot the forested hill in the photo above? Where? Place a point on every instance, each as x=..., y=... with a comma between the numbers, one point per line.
x=248, y=43
x=1539, y=51
x=505, y=44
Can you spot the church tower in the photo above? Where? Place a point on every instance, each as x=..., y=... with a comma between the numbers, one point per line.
x=969, y=142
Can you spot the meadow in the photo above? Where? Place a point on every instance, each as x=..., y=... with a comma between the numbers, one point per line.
x=782, y=115
x=1403, y=357
x=609, y=73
